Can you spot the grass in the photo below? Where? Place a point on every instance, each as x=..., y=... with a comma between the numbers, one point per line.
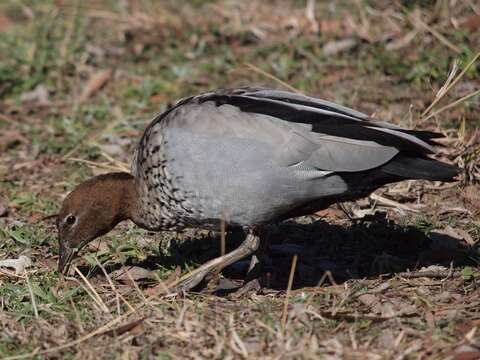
x=356, y=292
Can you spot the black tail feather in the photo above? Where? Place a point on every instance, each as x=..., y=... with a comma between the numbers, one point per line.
x=420, y=168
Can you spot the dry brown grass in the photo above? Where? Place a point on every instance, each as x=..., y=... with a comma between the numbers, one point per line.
x=395, y=279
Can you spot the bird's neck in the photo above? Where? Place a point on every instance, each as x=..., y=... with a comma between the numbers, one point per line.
x=130, y=209
x=132, y=205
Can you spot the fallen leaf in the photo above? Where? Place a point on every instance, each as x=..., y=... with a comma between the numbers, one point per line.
x=18, y=264
x=386, y=339
x=368, y=299
x=38, y=95
x=331, y=27
x=386, y=309
x=35, y=217
x=467, y=352
x=95, y=83
x=472, y=196
x=468, y=355
x=26, y=165
x=361, y=213
x=4, y=22
x=172, y=278
x=227, y=284
x=331, y=214
x=129, y=327
x=134, y=273
x=472, y=23
x=433, y=269
x=401, y=42
x=380, y=288
x=335, y=47
x=9, y=138
x=430, y=319
x=48, y=263
x=3, y=208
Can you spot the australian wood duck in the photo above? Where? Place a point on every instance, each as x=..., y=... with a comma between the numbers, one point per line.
x=250, y=157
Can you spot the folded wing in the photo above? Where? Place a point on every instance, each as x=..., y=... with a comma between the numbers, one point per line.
x=303, y=130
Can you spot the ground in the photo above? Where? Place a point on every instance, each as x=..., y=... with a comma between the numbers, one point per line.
x=391, y=276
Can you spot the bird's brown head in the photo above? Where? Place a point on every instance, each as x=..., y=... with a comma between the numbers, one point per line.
x=92, y=209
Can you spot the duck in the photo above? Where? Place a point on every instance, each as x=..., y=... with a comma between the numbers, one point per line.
x=248, y=157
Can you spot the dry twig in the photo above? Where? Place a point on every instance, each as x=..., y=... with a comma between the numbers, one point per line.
x=446, y=89
x=287, y=295
x=270, y=76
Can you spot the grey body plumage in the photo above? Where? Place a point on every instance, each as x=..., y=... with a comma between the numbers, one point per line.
x=254, y=156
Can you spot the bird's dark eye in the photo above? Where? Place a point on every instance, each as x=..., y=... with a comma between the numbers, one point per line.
x=70, y=220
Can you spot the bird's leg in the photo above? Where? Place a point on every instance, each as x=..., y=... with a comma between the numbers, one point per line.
x=189, y=281
x=256, y=270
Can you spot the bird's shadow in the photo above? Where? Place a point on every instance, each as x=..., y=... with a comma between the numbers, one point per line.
x=366, y=248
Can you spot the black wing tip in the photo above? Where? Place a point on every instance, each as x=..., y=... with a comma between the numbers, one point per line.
x=425, y=134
